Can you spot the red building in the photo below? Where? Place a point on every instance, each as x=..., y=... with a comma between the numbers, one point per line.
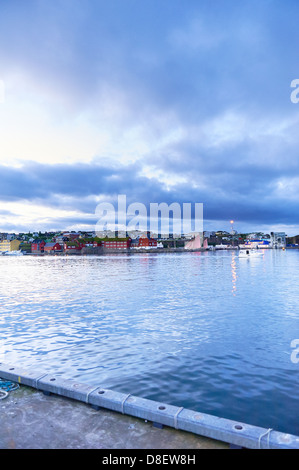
x=52, y=247
x=73, y=246
x=38, y=247
x=147, y=242
x=117, y=243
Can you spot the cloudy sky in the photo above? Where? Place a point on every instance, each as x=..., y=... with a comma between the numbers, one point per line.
x=160, y=100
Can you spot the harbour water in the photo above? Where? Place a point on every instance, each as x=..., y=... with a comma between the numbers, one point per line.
x=204, y=330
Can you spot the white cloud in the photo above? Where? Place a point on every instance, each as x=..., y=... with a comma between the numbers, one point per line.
x=35, y=217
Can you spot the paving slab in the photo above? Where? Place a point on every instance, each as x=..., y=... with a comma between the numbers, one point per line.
x=31, y=420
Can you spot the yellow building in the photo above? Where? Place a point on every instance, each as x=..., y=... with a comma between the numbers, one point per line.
x=9, y=245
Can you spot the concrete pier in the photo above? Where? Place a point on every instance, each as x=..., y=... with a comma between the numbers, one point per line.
x=59, y=407
x=31, y=420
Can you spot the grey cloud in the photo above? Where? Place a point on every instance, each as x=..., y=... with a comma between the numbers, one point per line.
x=73, y=49
x=78, y=186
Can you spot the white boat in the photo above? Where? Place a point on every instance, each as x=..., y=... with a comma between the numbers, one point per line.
x=13, y=253
x=250, y=253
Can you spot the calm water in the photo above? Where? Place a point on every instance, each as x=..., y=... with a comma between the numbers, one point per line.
x=206, y=331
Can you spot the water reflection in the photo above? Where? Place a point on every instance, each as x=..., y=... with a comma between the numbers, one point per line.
x=234, y=273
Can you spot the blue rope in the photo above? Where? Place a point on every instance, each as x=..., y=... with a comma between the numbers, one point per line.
x=7, y=385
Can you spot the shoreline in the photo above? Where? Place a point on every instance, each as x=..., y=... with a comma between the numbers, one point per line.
x=100, y=251
x=103, y=252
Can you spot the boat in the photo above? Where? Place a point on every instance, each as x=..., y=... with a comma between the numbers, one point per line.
x=250, y=253
x=13, y=253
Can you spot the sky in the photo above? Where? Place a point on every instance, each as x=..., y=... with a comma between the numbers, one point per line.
x=184, y=101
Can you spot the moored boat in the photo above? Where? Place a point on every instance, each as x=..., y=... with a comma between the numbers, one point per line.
x=13, y=253
x=250, y=253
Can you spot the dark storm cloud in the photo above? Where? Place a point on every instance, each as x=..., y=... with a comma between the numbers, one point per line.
x=193, y=61
x=35, y=181
x=77, y=187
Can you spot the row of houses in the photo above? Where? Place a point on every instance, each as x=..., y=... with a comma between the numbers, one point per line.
x=75, y=245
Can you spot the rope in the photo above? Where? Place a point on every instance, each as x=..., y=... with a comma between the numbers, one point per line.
x=7, y=386
x=268, y=440
x=3, y=394
x=176, y=417
x=123, y=402
x=92, y=390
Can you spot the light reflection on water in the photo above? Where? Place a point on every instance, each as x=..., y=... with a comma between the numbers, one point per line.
x=207, y=331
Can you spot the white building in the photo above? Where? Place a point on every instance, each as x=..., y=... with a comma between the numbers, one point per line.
x=278, y=239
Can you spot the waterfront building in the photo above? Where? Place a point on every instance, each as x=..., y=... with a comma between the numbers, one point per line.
x=117, y=243
x=278, y=239
x=87, y=242
x=52, y=247
x=256, y=243
x=76, y=246
x=38, y=246
x=144, y=242
x=73, y=246
x=9, y=245
x=134, y=242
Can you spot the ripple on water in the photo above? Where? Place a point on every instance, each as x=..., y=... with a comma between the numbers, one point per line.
x=202, y=330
